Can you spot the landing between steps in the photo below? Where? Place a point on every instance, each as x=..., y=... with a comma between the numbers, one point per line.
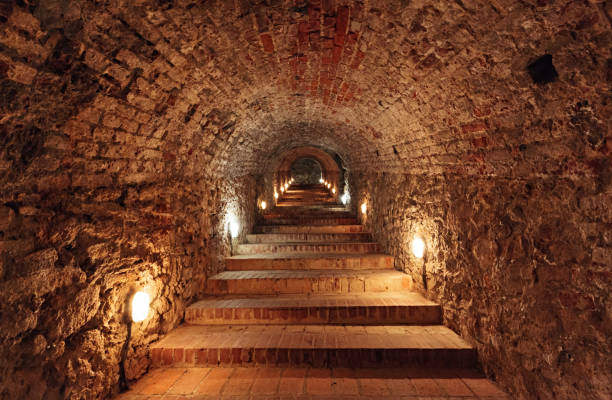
x=272, y=383
x=316, y=345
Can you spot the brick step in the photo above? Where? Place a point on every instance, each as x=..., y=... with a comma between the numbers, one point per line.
x=305, y=282
x=307, y=208
x=309, y=228
x=308, y=237
x=305, y=194
x=311, y=221
x=330, y=202
x=314, y=345
x=307, y=247
x=363, y=308
x=297, y=261
x=289, y=213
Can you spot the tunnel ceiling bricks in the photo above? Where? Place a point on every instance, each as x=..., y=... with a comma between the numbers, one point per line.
x=377, y=81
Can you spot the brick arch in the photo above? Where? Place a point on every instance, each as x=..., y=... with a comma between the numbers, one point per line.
x=329, y=167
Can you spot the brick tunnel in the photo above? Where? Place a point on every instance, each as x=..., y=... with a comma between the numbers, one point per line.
x=313, y=199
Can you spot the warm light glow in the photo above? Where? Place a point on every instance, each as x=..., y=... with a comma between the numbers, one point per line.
x=345, y=198
x=418, y=247
x=140, y=306
x=234, y=227
x=276, y=195
x=334, y=190
x=321, y=180
x=364, y=208
x=328, y=185
x=263, y=205
x=286, y=185
x=282, y=189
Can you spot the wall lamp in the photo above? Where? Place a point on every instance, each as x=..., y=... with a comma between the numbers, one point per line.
x=418, y=247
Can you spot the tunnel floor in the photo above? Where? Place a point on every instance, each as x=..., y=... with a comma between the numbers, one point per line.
x=310, y=308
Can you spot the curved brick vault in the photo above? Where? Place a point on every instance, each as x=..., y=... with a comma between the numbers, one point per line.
x=330, y=169
x=132, y=131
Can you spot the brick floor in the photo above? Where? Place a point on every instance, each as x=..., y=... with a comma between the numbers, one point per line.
x=311, y=383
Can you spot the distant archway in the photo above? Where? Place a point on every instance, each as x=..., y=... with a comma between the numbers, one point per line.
x=330, y=171
x=306, y=171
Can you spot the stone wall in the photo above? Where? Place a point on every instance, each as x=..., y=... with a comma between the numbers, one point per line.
x=70, y=259
x=521, y=268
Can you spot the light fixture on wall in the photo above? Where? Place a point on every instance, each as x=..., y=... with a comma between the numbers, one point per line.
x=418, y=246
x=334, y=190
x=364, y=207
x=321, y=180
x=282, y=189
x=137, y=311
x=275, y=194
x=345, y=198
x=140, y=306
x=263, y=204
x=234, y=226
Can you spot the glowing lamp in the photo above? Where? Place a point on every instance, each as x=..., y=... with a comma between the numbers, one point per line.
x=140, y=306
x=276, y=195
x=334, y=190
x=321, y=180
x=234, y=227
x=364, y=208
x=282, y=189
x=263, y=205
x=344, y=198
x=418, y=247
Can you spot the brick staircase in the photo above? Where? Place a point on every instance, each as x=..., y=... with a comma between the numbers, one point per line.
x=310, y=288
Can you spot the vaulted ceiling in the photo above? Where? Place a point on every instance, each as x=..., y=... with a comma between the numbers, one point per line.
x=412, y=86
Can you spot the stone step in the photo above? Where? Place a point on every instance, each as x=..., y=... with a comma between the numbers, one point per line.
x=289, y=213
x=313, y=345
x=297, y=261
x=311, y=221
x=308, y=237
x=309, y=228
x=305, y=282
x=363, y=308
x=330, y=203
x=307, y=247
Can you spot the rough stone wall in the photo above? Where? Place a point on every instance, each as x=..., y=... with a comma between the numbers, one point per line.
x=96, y=201
x=522, y=269
x=71, y=258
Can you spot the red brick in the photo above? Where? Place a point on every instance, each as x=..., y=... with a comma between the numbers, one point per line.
x=266, y=41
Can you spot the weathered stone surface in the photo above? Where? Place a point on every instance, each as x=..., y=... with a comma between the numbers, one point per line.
x=519, y=268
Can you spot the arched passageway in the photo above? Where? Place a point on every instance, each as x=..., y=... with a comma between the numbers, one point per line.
x=138, y=140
